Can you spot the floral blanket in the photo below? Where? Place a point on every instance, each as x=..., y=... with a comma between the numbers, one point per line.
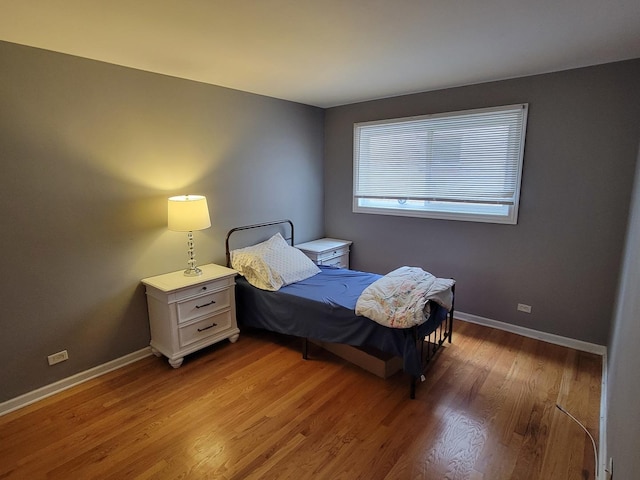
x=399, y=299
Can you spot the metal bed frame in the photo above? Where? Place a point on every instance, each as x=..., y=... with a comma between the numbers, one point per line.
x=427, y=346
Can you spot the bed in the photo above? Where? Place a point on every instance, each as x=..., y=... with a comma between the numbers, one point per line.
x=321, y=308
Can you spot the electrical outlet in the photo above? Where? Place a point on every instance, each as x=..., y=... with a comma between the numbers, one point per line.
x=524, y=308
x=58, y=357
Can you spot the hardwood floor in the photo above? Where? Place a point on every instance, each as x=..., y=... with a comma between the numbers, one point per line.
x=255, y=409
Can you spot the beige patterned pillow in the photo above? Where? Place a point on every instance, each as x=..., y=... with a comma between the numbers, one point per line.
x=272, y=264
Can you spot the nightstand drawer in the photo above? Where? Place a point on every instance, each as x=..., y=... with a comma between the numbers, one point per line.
x=341, y=262
x=204, y=328
x=204, y=305
x=200, y=289
x=338, y=252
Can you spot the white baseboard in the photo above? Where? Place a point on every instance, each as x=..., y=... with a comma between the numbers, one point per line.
x=65, y=383
x=538, y=335
x=602, y=434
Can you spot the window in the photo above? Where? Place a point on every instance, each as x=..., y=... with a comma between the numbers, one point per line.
x=458, y=166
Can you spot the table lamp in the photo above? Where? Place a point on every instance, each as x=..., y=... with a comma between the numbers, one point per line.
x=187, y=213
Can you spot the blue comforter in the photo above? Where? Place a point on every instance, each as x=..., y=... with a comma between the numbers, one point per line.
x=322, y=308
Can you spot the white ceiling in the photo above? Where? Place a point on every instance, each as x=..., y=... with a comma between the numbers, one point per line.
x=332, y=52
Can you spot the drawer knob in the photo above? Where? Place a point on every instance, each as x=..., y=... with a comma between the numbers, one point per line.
x=207, y=328
x=206, y=304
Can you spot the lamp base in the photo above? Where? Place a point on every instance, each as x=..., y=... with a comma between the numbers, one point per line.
x=192, y=272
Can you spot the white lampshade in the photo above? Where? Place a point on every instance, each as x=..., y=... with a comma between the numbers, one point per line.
x=187, y=213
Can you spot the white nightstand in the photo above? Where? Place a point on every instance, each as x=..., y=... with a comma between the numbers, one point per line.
x=189, y=313
x=327, y=251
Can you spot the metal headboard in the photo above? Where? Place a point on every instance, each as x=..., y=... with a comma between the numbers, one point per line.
x=257, y=225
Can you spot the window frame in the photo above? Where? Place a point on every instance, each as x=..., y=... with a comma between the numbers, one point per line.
x=490, y=212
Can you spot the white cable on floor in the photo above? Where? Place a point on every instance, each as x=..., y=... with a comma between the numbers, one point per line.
x=593, y=442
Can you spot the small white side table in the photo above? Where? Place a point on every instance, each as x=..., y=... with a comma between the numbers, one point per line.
x=190, y=313
x=327, y=251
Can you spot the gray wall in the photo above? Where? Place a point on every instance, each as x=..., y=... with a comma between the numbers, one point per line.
x=623, y=386
x=89, y=153
x=563, y=257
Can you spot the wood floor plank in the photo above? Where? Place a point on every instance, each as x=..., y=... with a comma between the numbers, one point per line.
x=255, y=409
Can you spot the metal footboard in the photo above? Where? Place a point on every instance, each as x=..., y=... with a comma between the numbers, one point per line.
x=428, y=346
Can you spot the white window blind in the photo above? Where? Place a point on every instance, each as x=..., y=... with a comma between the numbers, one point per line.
x=463, y=165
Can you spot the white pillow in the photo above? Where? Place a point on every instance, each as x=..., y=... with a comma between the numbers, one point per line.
x=292, y=265
x=272, y=264
x=249, y=261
